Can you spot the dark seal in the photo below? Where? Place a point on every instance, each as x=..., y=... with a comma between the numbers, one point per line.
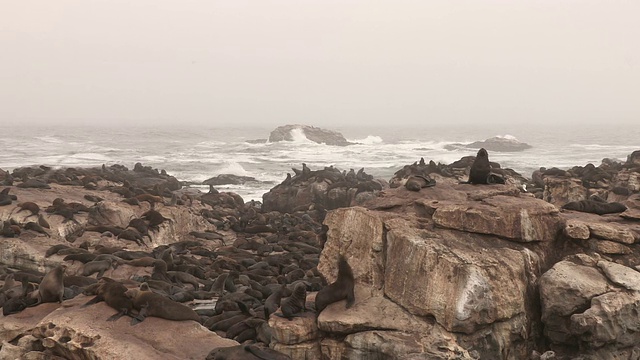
x=295, y=304
x=595, y=207
x=341, y=289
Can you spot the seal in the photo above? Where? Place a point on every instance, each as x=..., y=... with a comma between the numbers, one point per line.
x=417, y=182
x=113, y=294
x=151, y=304
x=342, y=288
x=99, y=267
x=51, y=287
x=29, y=206
x=19, y=301
x=480, y=168
x=296, y=303
x=595, y=207
x=272, y=303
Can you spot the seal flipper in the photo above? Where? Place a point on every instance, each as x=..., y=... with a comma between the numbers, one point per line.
x=118, y=315
x=142, y=314
x=351, y=298
x=95, y=300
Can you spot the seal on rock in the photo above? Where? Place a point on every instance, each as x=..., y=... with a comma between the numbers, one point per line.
x=595, y=207
x=296, y=303
x=151, y=304
x=417, y=182
x=480, y=168
x=51, y=287
x=342, y=288
x=113, y=293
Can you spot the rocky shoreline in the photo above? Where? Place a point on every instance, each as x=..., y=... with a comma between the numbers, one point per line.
x=451, y=271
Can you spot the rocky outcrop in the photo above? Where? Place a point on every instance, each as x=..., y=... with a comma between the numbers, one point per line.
x=437, y=280
x=73, y=332
x=496, y=143
x=324, y=189
x=315, y=134
x=453, y=173
x=610, y=181
x=471, y=269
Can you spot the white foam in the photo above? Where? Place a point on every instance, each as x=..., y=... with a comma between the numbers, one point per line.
x=232, y=167
x=507, y=137
x=298, y=136
x=369, y=140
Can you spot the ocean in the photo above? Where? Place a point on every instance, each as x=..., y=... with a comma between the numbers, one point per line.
x=195, y=154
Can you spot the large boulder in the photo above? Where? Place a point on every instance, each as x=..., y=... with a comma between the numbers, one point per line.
x=591, y=305
x=318, y=135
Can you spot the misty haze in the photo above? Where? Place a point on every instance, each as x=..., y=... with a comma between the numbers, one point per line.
x=438, y=179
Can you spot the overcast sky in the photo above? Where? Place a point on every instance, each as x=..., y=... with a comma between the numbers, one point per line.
x=323, y=62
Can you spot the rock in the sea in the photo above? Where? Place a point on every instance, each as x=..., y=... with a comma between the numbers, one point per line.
x=226, y=179
x=318, y=135
x=505, y=143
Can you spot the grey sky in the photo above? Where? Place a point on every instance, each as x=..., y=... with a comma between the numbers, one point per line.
x=319, y=62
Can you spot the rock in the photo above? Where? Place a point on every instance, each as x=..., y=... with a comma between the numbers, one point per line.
x=612, y=318
x=565, y=289
x=92, y=337
x=322, y=189
x=15, y=325
x=621, y=275
x=380, y=344
x=361, y=239
x=10, y=351
x=560, y=190
x=226, y=179
x=369, y=314
x=633, y=159
x=472, y=275
x=612, y=232
x=318, y=135
x=608, y=247
x=306, y=350
x=333, y=349
x=576, y=229
x=298, y=330
x=521, y=219
x=111, y=213
x=497, y=143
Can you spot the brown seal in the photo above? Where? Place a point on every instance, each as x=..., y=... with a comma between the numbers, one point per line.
x=417, y=182
x=273, y=302
x=296, y=303
x=99, y=267
x=51, y=287
x=113, y=294
x=151, y=304
x=342, y=288
x=30, y=206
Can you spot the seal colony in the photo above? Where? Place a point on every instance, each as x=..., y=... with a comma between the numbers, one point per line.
x=255, y=263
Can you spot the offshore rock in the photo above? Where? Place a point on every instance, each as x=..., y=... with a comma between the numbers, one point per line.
x=226, y=179
x=496, y=143
x=318, y=135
